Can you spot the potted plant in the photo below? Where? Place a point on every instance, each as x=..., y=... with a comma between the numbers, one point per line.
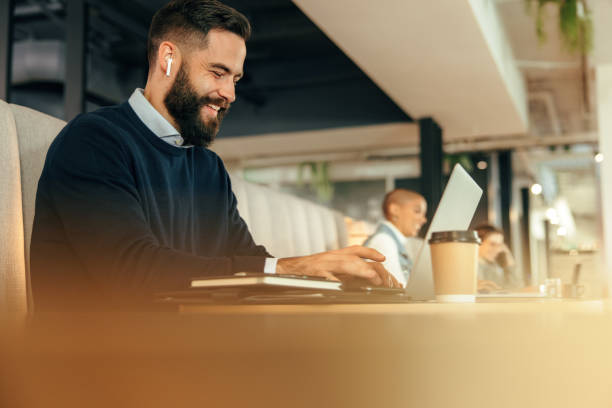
x=576, y=27
x=319, y=179
x=575, y=23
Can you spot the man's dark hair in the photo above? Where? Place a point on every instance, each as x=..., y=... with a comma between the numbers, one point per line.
x=189, y=21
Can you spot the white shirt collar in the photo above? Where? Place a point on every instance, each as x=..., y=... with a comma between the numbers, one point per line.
x=153, y=119
x=402, y=239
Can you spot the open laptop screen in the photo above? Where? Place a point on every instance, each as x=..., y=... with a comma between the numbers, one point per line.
x=455, y=212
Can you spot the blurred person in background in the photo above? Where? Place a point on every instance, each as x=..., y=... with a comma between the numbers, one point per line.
x=496, y=265
x=404, y=212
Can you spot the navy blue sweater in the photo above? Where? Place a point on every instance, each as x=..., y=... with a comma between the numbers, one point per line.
x=121, y=214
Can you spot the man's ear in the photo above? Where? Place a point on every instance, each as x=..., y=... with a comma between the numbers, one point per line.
x=393, y=210
x=168, y=58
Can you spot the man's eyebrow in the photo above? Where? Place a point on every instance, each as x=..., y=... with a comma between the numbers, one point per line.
x=226, y=69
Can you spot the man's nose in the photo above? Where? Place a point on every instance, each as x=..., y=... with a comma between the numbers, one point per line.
x=228, y=91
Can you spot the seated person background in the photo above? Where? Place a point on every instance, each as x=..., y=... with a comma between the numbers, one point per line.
x=131, y=202
x=404, y=212
x=495, y=261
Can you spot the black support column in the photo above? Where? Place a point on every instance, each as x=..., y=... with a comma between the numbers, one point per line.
x=525, y=244
x=76, y=41
x=505, y=190
x=431, y=163
x=547, y=247
x=6, y=47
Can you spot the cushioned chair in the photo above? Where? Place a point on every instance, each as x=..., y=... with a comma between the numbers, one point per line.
x=286, y=225
x=282, y=225
x=261, y=220
x=301, y=236
x=316, y=230
x=25, y=136
x=239, y=188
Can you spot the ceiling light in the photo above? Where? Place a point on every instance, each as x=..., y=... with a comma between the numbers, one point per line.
x=482, y=165
x=599, y=157
x=536, y=189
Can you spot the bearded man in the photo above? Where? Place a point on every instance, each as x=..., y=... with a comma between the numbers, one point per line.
x=131, y=202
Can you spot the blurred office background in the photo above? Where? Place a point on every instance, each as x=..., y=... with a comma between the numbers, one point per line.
x=343, y=101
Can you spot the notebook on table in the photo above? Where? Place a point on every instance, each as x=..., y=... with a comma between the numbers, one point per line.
x=260, y=288
x=265, y=280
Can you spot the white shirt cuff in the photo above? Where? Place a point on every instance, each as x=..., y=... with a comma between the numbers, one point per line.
x=270, y=265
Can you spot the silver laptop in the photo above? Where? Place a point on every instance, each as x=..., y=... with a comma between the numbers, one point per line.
x=455, y=212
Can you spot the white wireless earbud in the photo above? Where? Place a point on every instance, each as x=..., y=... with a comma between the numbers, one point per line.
x=168, y=66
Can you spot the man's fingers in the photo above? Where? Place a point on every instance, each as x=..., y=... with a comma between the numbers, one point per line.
x=351, y=265
x=329, y=276
x=342, y=263
x=387, y=279
x=375, y=272
x=363, y=252
x=396, y=283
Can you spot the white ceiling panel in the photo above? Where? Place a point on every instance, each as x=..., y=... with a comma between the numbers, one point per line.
x=448, y=59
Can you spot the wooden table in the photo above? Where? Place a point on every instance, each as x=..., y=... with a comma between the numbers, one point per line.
x=489, y=354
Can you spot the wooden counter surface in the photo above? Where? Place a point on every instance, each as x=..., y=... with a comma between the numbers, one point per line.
x=489, y=354
x=481, y=306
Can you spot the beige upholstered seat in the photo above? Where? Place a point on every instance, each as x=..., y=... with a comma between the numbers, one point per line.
x=286, y=225
x=301, y=232
x=282, y=225
x=315, y=227
x=25, y=136
x=239, y=189
x=12, y=250
x=260, y=216
x=330, y=232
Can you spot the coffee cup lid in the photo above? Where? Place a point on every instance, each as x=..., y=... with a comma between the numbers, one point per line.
x=454, y=236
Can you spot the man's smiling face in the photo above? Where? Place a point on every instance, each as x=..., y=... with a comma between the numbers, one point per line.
x=204, y=87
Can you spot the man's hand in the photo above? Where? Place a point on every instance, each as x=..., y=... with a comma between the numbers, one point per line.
x=341, y=264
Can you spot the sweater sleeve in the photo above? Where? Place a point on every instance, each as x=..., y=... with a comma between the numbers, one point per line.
x=91, y=187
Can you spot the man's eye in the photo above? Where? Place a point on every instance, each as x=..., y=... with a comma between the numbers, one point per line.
x=217, y=74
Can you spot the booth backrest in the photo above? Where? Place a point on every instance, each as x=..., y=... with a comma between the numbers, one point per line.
x=12, y=255
x=25, y=136
x=286, y=225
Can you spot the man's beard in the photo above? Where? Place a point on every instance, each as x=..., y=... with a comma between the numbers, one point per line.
x=185, y=106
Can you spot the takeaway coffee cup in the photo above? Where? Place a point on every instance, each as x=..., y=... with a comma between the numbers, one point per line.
x=454, y=258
